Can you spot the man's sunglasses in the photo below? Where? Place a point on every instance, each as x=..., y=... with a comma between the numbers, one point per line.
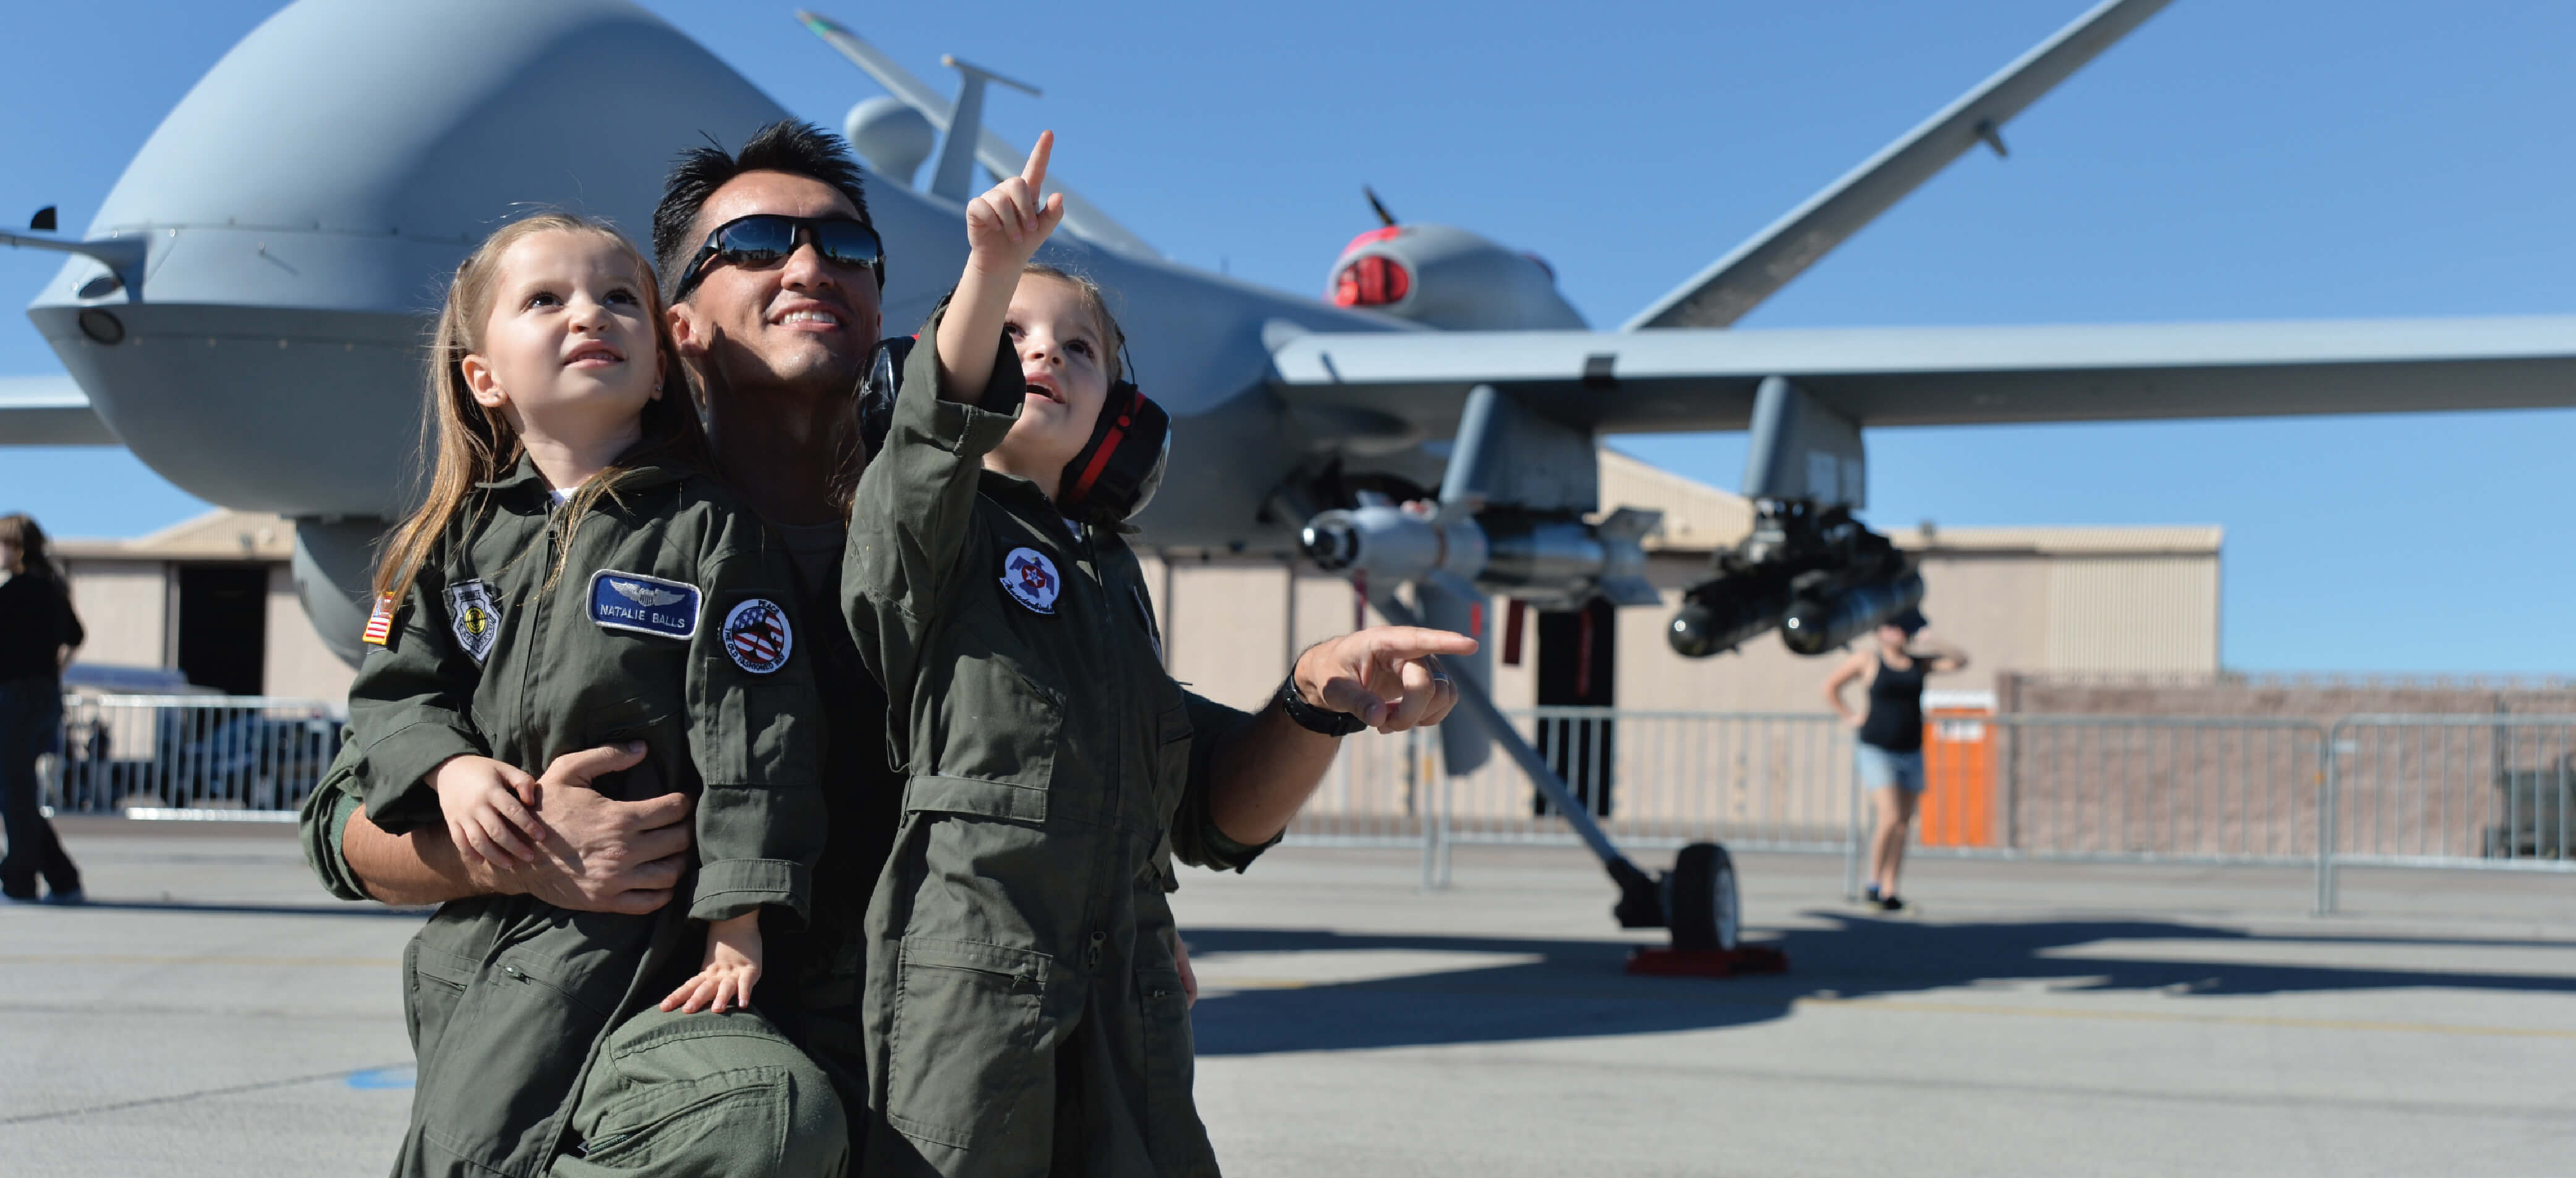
x=765, y=239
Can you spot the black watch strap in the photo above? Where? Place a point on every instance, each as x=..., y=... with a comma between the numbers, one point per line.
x=1316, y=719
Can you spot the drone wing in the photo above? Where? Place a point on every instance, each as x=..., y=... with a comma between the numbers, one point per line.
x=1738, y=282
x=1083, y=218
x=48, y=411
x=1704, y=379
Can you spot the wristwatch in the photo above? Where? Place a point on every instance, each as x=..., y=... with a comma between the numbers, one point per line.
x=1313, y=718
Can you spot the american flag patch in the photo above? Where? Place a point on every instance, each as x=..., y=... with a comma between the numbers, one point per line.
x=757, y=635
x=380, y=624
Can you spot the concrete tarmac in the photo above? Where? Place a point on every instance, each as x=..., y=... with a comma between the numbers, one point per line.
x=215, y=1014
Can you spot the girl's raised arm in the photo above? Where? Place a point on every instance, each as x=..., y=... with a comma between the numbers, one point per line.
x=1004, y=228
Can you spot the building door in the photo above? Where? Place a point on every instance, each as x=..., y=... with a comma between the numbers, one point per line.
x=1578, y=667
x=223, y=626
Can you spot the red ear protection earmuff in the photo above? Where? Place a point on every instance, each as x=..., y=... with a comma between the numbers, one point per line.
x=876, y=390
x=1117, y=472
x=1111, y=479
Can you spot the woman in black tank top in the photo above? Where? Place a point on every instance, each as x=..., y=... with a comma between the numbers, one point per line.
x=1890, y=735
x=1895, y=718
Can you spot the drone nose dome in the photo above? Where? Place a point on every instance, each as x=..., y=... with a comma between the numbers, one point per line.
x=306, y=203
x=1371, y=281
x=1448, y=278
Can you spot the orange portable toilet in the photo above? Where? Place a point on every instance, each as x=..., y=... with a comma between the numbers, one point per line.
x=1958, y=770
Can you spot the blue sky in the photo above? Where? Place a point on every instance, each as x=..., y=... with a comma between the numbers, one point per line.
x=2236, y=160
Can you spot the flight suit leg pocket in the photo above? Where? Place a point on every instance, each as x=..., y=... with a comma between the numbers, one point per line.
x=962, y=1056
x=434, y=982
x=530, y=1014
x=1173, y=1132
x=705, y=1094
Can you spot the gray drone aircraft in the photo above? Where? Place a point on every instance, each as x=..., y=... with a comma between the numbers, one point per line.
x=244, y=314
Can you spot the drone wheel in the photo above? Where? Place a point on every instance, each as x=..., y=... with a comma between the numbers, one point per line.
x=1700, y=899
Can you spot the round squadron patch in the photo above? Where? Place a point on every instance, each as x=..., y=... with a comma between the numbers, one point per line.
x=757, y=635
x=1030, y=578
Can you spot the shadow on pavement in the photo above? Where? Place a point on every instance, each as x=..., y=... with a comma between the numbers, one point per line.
x=1575, y=988
x=415, y=915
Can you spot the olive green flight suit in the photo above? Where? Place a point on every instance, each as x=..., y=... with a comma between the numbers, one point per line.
x=672, y=623
x=682, y=1087
x=1023, y=1009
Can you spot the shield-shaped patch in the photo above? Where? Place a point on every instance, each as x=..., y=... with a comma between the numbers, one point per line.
x=474, y=615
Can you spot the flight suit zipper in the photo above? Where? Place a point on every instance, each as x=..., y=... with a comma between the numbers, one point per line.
x=1108, y=852
x=540, y=601
x=1099, y=584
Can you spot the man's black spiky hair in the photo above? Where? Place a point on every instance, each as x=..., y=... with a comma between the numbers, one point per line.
x=788, y=145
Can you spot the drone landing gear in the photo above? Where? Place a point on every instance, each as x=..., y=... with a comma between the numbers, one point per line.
x=1696, y=899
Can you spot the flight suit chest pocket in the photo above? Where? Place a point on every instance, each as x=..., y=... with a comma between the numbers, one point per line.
x=968, y=1021
x=997, y=724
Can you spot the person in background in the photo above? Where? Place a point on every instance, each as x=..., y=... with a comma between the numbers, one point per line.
x=38, y=632
x=1891, y=736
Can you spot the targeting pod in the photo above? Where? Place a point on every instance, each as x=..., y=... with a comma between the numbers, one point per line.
x=1814, y=627
x=1719, y=616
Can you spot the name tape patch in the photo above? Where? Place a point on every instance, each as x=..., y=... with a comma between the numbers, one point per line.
x=645, y=605
x=1030, y=578
x=757, y=635
x=474, y=615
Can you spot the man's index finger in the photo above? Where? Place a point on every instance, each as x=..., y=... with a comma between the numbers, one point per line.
x=1413, y=642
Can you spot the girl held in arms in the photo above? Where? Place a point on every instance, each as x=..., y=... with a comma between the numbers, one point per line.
x=574, y=578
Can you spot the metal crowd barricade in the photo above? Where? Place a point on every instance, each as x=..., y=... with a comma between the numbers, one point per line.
x=2198, y=789
x=1662, y=779
x=2486, y=792
x=2439, y=791
x=1377, y=794
x=2082, y=788
x=1760, y=781
x=191, y=755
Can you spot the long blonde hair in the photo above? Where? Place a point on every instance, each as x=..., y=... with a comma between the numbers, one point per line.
x=462, y=443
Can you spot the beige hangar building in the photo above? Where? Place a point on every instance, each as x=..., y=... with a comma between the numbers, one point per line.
x=214, y=600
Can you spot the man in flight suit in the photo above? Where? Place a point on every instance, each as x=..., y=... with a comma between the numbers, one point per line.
x=777, y=351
